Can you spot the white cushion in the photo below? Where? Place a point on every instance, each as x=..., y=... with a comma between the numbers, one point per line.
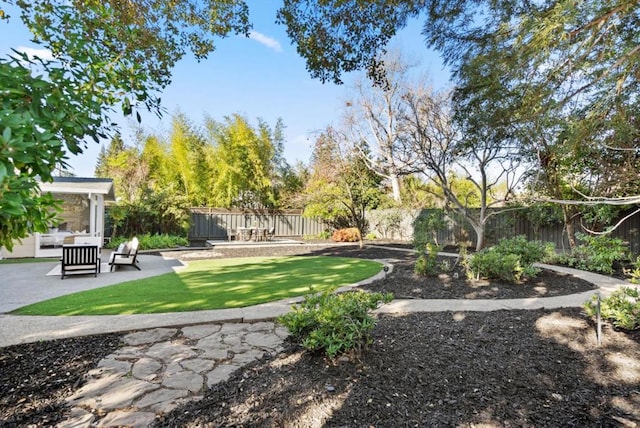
x=119, y=250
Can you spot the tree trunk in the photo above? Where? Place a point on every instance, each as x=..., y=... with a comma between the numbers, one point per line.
x=568, y=224
x=395, y=187
x=480, y=237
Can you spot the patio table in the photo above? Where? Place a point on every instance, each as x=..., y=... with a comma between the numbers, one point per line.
x=253, y=233
x=245, y=233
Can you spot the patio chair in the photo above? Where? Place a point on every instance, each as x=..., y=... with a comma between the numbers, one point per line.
x=90, y=240
x=232, y=234
x=271, y=233
x=79, y=259
x=125, y=255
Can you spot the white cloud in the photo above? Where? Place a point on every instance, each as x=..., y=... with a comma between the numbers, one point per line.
x=44, y=54
x=265, y=40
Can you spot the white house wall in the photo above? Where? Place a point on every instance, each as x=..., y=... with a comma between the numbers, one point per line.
x=26, y=248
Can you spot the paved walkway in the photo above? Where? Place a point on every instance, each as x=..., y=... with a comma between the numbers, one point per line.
x=174, y=358
x=161, y=368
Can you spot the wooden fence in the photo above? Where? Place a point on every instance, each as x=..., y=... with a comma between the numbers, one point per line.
x=394, y=224
x=212, y=223
x=397, y=224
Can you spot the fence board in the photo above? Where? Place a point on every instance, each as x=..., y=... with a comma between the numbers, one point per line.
x=397, y=224
x=212, y=223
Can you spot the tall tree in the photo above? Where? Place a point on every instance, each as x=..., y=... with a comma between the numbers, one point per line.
x=533, y=69
x=127, y=168
x=189, y=168
x=373, y=114
x=444, y=151
x=287, y=181
x=547, y=77
x=156, y=153
x=106, y=54
x=242, y=163
x=341, y=187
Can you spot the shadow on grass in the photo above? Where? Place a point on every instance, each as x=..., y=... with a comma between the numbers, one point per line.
x=212, y=284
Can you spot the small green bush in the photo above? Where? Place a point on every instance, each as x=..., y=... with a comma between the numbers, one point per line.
x=622, y=308
x=529, y=252
x=596, y=253
x=427, y=262
x=152, y=242
x=634, y=273
x=350, y=234
x=325, y=234
x=426, y=226
x=494, y=265
x=334, y=323
x=445, y=266
x=511, y=260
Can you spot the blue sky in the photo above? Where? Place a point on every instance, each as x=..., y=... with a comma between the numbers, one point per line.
x=257, y=77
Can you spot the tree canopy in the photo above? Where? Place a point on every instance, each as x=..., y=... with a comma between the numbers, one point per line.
x=341, y=187
x=225, y=164
x=337, y=36
x=558, y=79
x=107, y=55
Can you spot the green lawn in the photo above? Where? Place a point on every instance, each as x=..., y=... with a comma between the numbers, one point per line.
x=212, y=284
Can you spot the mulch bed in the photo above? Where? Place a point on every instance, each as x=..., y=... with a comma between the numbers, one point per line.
x=36, y=377
x=502, y=369
x=505, y=368
x=405, y=284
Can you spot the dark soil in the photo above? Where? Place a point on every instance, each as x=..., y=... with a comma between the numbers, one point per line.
x=507, y=368
x=501, y=369
x=36, y=377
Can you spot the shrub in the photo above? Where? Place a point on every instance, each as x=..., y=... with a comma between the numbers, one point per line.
x=622, y=308
x=445, y=266
x=426, y=226
x=334, y=323
x=511, y=260
x=325, y=234
x=427, y=262
x=350, y=234
x=494, y=265
x=596, y=253
x=153, y=242
x=529, y=252
x=634, y=273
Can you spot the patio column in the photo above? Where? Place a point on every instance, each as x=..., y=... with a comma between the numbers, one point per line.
x=92, y=215
x=99, y=215
x=96, y=215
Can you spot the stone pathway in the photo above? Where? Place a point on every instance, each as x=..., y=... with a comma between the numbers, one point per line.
x=161, y=368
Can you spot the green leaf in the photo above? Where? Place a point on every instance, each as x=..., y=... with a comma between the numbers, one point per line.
x=3, y=172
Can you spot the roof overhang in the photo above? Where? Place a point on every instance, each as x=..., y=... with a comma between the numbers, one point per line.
x=80, y=185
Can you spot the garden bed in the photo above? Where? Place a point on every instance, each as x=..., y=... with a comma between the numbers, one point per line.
x=506, y=368
x=499, y=369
